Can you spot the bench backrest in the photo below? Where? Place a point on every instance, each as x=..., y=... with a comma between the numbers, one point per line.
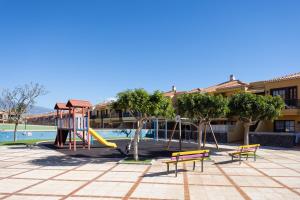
x=190, y=154
x=249, y=148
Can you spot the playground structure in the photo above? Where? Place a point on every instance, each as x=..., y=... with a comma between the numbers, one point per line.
x=73, y=124
x=205, y=125
x=73, y=121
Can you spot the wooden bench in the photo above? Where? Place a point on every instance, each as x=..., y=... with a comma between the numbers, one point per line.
x=31, y=145
x=188, y=156
x=245, y=150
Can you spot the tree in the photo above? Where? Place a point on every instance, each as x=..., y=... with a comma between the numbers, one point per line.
x=251, y=108
x=143, y=106
x=19, y=100
x=202, y=108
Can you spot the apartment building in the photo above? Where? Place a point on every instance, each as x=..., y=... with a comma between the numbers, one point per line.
x=226, y=129
x=287, y=87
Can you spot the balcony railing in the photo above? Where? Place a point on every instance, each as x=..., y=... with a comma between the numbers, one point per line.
x=292, y=103
x=117, y=115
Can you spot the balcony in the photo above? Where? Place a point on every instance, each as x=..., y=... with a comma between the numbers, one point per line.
x=292, y=103
x=93, y=116
x=114, y=116
x=105, y=116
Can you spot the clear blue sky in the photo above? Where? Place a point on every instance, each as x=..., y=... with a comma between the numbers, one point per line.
x=94, y=49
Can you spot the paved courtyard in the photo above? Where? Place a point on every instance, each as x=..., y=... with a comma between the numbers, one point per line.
x=42, y=173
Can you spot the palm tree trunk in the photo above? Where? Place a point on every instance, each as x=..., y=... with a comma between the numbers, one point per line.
x=199, y=135
x=15, y=131
x=135, y=140
x=246, y=132
x=204, y=139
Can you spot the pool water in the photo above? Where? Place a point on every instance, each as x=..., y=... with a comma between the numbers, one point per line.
x=30, y=135
x=7, y=136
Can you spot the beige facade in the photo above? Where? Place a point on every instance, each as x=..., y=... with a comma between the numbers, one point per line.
x=288, y=88
x=105, y=117
x=3, y=117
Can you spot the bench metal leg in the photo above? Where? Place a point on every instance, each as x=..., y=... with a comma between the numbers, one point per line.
x=176, y=170
x=240, y=159
x=231, y=158
x=247, y=157
x=194, y=165
x=202, y=165
x=168, y=169
x=254, y=157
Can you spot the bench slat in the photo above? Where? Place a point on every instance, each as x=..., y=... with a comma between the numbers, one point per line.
x=187, y=160
x=190, y=156
x=189, y=152
x=250, y=146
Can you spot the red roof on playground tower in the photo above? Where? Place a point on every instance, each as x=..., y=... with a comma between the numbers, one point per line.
x=61, y=106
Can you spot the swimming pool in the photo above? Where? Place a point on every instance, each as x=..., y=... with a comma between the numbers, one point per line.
x=7, y=136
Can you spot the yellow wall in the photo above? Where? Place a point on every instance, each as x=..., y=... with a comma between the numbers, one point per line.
x=287, y=114
x=265, y=126
x=282, y=84
x=237, y=133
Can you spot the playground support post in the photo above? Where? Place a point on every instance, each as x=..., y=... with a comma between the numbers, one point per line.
x=172, y=134
x=58, y=131
x=74, y=130
x=83, y=132
x=88, y=126
x=216, y=142
x=156, y=129
x=70, y=131
x=61, y=137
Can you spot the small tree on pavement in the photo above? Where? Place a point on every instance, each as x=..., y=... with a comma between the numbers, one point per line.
x=143, y=106
x=251, y=108
x=202, y=108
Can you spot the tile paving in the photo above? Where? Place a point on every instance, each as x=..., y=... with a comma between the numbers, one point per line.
x=42, y=173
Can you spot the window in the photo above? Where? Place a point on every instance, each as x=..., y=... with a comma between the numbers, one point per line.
x=289, y=95
x=285, y=93
x=284, y=126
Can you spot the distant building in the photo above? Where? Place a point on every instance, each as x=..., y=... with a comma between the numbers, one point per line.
x=228, y=129
x=42, y=119
x=3, y=116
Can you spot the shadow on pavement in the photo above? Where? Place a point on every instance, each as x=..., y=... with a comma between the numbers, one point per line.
x=148, y=149
x=171, y=172
x=68, y=161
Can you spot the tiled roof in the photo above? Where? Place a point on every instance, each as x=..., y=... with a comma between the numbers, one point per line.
x=196, y=90
x=169, y=93
x=103, y=104
x=172, y=93
x=287, y=77
x=79, y=103
x=226, y=85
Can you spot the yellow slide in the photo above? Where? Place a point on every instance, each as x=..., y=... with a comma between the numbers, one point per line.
x=101, y=140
